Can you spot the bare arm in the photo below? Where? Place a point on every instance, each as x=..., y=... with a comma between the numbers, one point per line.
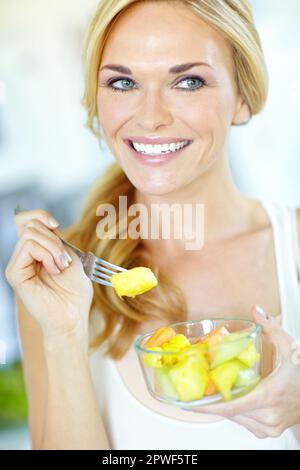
x=298, y=221
x=297, y=427
x=54, y=298
x=63, y=410
x=72, y=416
x=34, y=371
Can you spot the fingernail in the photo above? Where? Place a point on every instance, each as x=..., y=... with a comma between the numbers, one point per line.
x=65, y=259
x=68, y=257
x=261, y=312
x=53, y=222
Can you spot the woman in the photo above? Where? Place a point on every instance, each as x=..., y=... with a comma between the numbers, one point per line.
x=138, y=89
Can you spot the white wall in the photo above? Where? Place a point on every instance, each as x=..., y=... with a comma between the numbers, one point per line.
x=41, y=123
x=266, y=153
x=44, y=135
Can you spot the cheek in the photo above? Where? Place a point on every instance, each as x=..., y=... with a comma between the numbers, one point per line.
x=213, y=113
x=112, y=112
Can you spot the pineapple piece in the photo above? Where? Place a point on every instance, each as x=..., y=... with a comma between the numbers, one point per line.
x=189, y=379
x=153, y=360
x=224, y=376
x=178, y=343
x=133, y=282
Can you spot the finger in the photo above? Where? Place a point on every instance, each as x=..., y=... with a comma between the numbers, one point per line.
x=238, y=405
x=43, y=216
x=250, y=424
x=44, y=230
x=272, y=329
x=265, y=416
x=24, y=267
x=53, y=245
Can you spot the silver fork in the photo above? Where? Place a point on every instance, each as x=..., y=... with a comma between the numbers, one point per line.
x=96, y=269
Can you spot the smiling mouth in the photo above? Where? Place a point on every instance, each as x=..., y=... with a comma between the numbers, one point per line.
x=160, y=152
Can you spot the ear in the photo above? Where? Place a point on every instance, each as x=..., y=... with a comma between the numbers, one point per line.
x=242, y=113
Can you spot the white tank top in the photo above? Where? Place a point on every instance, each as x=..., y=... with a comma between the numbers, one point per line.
x=132, y=424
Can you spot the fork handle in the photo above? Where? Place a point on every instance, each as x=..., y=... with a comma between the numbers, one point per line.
x=78, y=252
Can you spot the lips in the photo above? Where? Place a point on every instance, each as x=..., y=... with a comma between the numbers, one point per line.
x=155, y=160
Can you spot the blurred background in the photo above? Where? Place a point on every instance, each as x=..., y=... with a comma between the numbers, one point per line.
x=49, y=160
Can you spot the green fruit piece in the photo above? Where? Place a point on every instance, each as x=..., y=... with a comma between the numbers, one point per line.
x=189, y=379
x=229, y=348
x=177, y=343
x=235, y=336
x=153, y=360
x=246, y=377
x=249, y=356
x=164, y=384
x=224, y=376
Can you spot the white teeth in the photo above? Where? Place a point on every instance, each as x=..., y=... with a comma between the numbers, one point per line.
x=158, y=149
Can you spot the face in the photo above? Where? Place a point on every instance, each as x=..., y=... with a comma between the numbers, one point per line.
x=156, y=102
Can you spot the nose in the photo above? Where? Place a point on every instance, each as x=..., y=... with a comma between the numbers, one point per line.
x=153, y=112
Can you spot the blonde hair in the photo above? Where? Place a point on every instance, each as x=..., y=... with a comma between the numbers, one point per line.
x=122, y=317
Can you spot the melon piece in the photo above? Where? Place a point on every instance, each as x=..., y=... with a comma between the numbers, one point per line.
x=189, y=379
x=246, y=377
x=153, y=360
x=214, y=336
x=224, y=376
x=249, y=356
x=133, y=282
x=212, y=339
x=229, y=348
x=211, y=389
x=163, y=383
x=160, y=336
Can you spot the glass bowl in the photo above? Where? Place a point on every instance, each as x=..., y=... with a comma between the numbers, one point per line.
x=212, y=366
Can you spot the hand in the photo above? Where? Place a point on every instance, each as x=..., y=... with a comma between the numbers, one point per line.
x=56, y=294
x=274, y=405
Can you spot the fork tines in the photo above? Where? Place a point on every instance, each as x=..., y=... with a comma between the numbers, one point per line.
x=102, y=274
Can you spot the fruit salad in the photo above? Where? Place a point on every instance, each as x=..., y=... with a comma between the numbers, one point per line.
x=218, y=363
x=133, y=282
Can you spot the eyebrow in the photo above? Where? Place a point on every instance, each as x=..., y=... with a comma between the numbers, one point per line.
x=175, y=69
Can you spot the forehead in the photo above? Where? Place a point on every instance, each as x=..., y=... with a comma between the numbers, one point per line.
x=151, y=32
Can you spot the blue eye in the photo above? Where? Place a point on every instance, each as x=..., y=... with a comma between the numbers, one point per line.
x=186, y=79
x=113, y=88
x=193, y=79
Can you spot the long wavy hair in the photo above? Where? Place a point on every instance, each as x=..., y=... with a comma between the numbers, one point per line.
x=121, y=318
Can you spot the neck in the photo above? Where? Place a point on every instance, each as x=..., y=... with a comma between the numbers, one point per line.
x=227, y=211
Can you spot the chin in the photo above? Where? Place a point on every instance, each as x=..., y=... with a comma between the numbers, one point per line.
x=158, y=188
